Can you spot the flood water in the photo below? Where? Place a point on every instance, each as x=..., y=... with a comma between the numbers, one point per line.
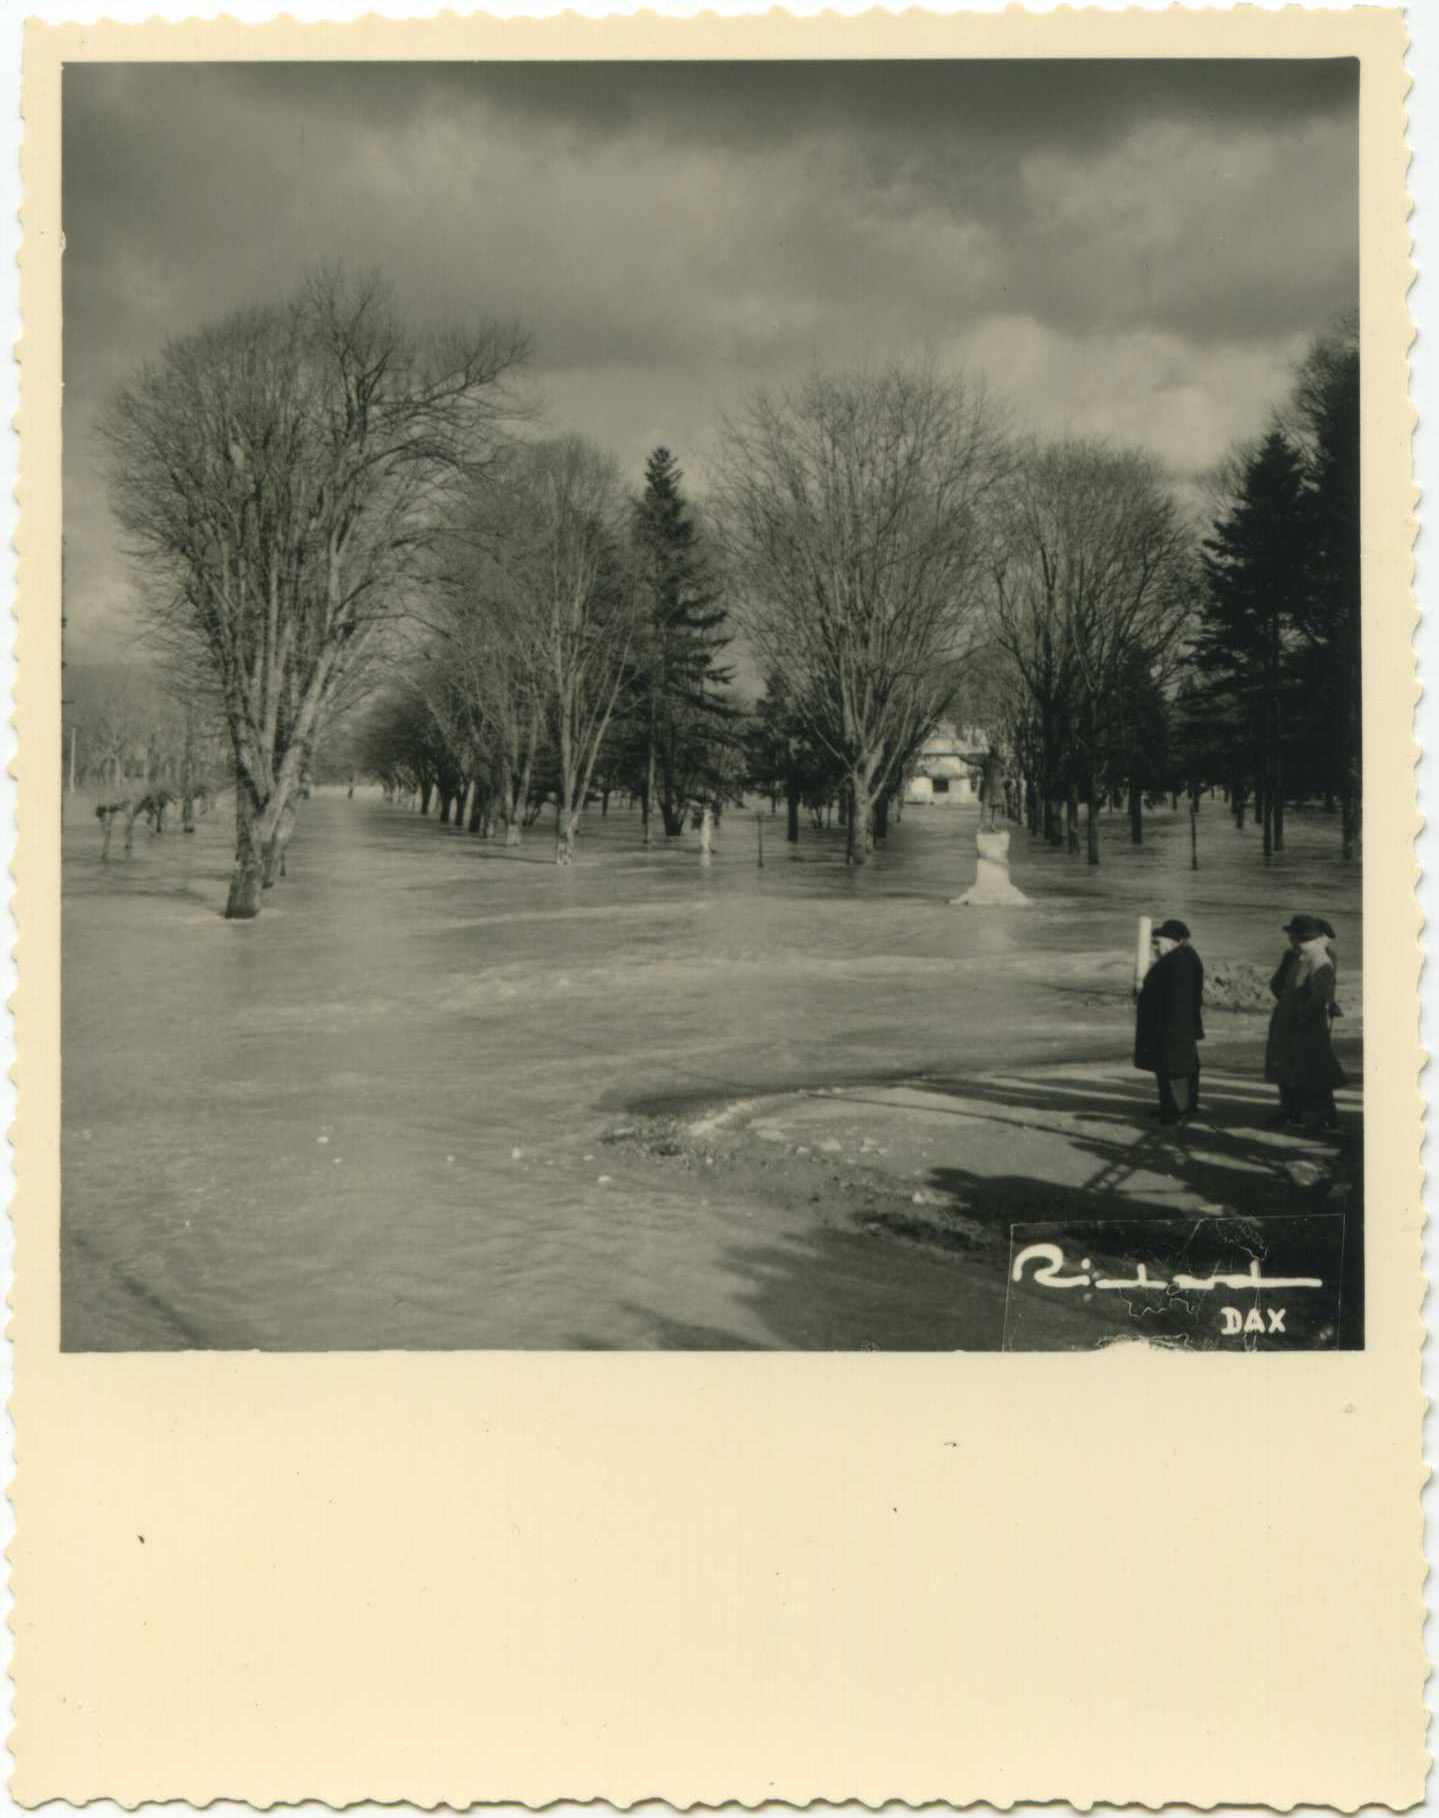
x=372, y=1118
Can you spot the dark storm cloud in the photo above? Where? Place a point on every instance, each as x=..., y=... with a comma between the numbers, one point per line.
x=1137, y=247
x=1080, y=106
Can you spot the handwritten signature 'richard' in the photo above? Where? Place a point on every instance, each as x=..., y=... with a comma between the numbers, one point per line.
x=1051, y=1260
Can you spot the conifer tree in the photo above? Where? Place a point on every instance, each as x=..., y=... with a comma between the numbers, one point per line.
x=1258, y=565
x=1325, y=415
x=681, y=684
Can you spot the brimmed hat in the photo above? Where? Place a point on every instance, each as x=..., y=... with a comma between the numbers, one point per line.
x=1303, y=928
x=1173, y=930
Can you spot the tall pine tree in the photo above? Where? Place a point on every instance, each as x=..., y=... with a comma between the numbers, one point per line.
x=682, y=710
x=1258, y=566
x=1325, y=413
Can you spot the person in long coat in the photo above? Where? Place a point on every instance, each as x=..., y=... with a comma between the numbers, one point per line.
x=1331, y=941
x=1299, y=1056
x=1169, y=1024
x=989, y=766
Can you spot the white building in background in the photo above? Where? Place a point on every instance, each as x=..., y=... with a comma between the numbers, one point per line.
x=938, y=778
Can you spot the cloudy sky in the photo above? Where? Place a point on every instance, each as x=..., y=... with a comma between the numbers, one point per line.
x=1135, y=249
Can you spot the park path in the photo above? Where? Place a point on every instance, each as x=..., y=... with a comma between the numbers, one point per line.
x=1080, y=1135
x=972, y=1168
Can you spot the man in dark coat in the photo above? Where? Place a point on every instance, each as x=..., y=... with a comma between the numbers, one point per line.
x=1168, y=1024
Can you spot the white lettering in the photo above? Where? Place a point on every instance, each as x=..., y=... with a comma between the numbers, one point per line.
x=1139, y=1280
x=1253, y=1279
x=1053, y=1259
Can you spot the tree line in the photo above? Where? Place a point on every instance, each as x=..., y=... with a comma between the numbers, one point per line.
x=350, y=534
x=569, y=643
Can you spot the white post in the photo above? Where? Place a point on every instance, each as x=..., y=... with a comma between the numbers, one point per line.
x=1141, y=950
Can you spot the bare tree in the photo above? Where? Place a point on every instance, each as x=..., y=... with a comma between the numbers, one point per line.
x=549, y=530
x=481, y=624
x=1094, y=576
x=275, y=475
x=851, y=516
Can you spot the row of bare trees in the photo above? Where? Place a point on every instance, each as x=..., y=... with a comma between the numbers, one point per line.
x=529, y=629
x=569, y=631
x=902, y=557
x=127, y=734
x=1136, y=653
x=1094, y=585
x=326, y=505
x=568, y=646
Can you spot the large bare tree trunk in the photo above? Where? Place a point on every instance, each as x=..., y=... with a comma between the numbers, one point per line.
x=275, y=847
x=247, y=878
x=859, y=821
x=518, y=800
x=187, y=779
x=1091, y=828
x=647, y=799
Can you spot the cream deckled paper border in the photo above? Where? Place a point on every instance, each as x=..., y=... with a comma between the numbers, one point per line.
x=1123, y=1576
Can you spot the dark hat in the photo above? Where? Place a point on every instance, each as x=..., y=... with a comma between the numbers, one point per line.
x=1303, y=927
x=1325, y=929
x=1173, y=930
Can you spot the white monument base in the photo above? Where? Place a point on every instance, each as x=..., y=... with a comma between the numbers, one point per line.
x=992, y=888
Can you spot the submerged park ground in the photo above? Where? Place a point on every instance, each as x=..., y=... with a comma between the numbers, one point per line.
x=442, y=1095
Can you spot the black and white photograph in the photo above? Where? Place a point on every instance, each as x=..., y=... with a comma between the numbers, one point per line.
x=712, y=706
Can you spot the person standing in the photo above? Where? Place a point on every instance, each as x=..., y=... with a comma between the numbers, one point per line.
x=1299, y=1055
x=990, y=768
x=1331, y=941
x=1169, y=1024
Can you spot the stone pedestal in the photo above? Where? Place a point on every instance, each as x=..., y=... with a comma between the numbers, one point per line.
x=992, y=888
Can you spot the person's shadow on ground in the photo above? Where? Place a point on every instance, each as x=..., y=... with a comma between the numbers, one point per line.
x=1223, y=1159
